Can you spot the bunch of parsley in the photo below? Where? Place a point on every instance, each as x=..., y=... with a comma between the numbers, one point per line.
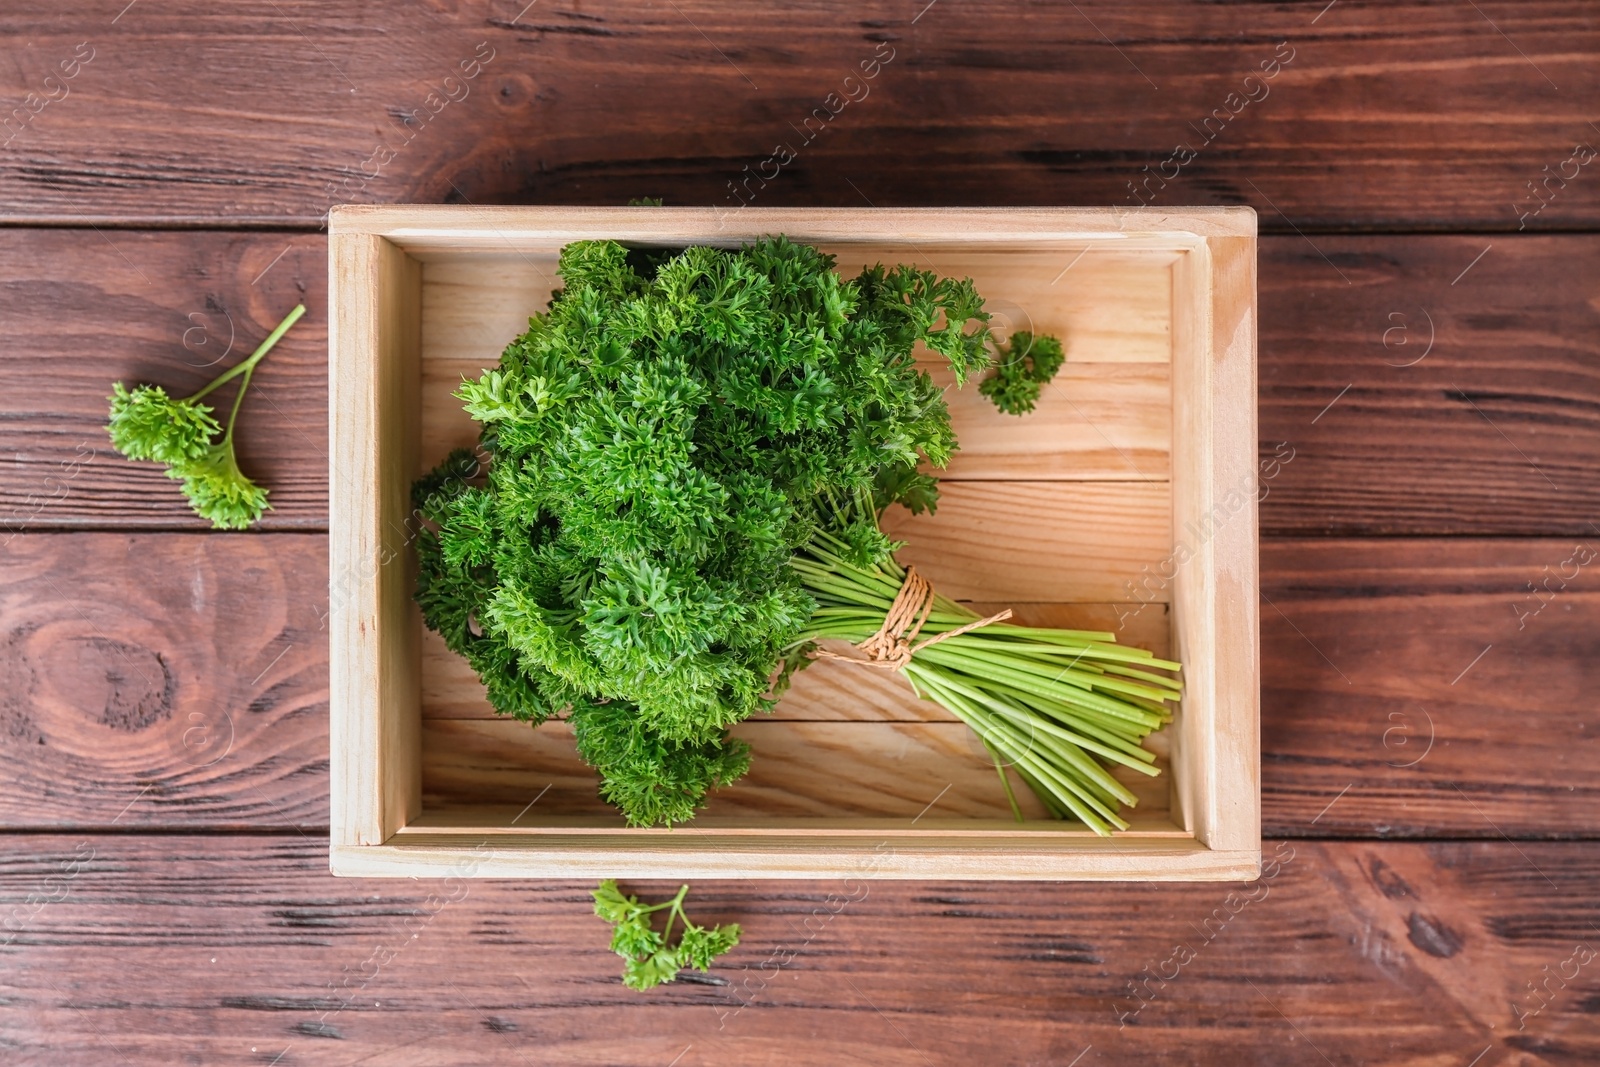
x=662, y=442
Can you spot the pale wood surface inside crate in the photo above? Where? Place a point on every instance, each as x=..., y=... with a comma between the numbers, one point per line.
x=1055, y=513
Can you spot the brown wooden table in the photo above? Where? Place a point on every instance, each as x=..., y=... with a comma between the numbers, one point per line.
x=1430, y=297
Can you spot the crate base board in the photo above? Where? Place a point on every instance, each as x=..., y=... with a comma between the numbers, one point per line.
x=897, y=771
x=818, y=855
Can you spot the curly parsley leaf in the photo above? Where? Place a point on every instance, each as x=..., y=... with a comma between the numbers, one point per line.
x=146, y=424
x=1023, y=368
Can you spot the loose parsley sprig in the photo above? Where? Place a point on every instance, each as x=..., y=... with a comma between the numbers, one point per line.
x=147, y=424
x=1021, y=369
x=649, y=958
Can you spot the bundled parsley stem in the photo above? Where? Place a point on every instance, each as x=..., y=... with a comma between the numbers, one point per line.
x=147, y=424
x=1055, y=706
x=657, y=530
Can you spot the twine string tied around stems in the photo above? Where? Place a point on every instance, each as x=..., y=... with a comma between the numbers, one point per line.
x=893, y=644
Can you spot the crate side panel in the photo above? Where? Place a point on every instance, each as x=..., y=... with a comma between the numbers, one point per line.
x=355, y=815
x=1235, y=620
x=1188, y=568
x=399, y=617
x=375, y=659
x=1123, y=858
x=437, y=229
x=1215, y=543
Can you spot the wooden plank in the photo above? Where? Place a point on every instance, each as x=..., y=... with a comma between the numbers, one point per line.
x=856, y=233
x=85, y=309
x=375, y=662
x=1448, y=685
x=1039, y=542
x=166, y=680
x=1401, y=619
x=1104, y=306
x=74, y=299
x=1196, y=104
x=1093, y=422
x=840, y=769
x=1061, y=855
x=1343, y=952
x=1215, y=540
x=471, y=309
x=1420, y=389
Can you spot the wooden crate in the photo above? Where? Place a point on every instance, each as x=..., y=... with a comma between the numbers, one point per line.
x=1127, y=502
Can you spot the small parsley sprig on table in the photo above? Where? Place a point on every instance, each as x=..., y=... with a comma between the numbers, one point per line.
x=650, y=958
x=147, y=424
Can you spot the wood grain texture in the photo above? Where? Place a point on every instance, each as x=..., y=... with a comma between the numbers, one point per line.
x=1413, y=115
x=804, y=769
x=85, y=309
x=1402, y=451
x=1344, y=952
x=1093, y=422
x=1401, y=619
x=857, y=233
x=1038, y=542
x=375, y=661
x=1449, y=685
x=163, y=680
x=1215, y=539
x=1422, y=389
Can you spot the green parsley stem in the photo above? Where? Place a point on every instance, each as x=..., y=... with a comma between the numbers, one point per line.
x=1005, y=783
x=233, y=415
x=1059, y=707
x=255, y=357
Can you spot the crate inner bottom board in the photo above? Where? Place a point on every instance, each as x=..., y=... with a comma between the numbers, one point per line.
x=1061, y=515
